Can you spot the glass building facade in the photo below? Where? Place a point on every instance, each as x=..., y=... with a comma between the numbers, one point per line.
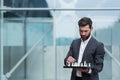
x=35, y=36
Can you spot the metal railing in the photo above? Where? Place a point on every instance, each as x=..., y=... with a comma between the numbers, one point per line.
x=8, y=74
x=59, y=9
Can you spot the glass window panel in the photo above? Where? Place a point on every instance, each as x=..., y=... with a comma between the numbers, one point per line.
x=28, y=3
x=116, y=33
x=104, y=35
x=13, y=39
x=20, y=35
x=42, y=56
x=11, y=32
x=37, y=30
x=71, y=4
x=115, y=66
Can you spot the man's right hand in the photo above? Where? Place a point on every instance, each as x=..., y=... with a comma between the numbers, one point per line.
x=70, y=59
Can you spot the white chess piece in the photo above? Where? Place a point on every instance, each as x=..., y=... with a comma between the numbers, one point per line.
x=85, y=64
x=68, y=63
x=89, y=64
x=75, y=64
x=81, y=64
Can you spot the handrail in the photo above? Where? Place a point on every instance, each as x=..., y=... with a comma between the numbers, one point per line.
x=8, y=74
x=58, y=9
x=110, y=54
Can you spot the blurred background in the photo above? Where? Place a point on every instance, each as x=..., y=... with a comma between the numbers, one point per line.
x=35, y=36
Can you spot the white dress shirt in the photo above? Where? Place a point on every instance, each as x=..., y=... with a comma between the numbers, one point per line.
x=81, y=51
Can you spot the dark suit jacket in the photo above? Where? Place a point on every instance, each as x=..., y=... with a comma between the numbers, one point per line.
x=94, y=54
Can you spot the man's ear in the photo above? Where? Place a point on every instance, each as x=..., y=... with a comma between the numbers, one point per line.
x=91, y=28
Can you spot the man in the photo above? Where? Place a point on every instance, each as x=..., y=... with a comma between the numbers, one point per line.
x=86, y=49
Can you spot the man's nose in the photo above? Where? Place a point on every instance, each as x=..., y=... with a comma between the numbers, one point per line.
x=83, y=33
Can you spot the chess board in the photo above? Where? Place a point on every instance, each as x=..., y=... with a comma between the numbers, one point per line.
x=83, y=65
x=75, y=67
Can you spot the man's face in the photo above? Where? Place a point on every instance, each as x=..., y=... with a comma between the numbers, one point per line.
x=85, y=32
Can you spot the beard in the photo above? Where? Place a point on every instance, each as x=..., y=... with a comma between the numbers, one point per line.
x=85, y=37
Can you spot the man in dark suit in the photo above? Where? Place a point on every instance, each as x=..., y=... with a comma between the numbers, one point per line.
x=88, y=49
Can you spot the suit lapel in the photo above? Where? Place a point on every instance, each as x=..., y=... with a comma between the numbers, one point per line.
x=86, y=51
x=78, y=48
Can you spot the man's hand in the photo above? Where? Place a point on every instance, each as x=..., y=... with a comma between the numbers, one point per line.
x=83, y=70
x=70, y=59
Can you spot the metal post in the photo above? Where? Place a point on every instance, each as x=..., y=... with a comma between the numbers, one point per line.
x=1, y=43
x=54, y=39
x=25, y=43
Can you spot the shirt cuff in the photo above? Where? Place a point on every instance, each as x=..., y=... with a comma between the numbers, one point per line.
x=90, y=71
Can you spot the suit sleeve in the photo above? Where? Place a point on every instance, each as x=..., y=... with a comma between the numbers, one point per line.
x=69, y=52
x=98, y=59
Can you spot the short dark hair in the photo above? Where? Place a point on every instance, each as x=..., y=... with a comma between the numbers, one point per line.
x=85, y=21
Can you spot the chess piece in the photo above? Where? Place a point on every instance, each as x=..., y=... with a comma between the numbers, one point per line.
x=89, y=64
x=73, y=63
x=85, y=64
x=68, y=63
x=81, y=64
